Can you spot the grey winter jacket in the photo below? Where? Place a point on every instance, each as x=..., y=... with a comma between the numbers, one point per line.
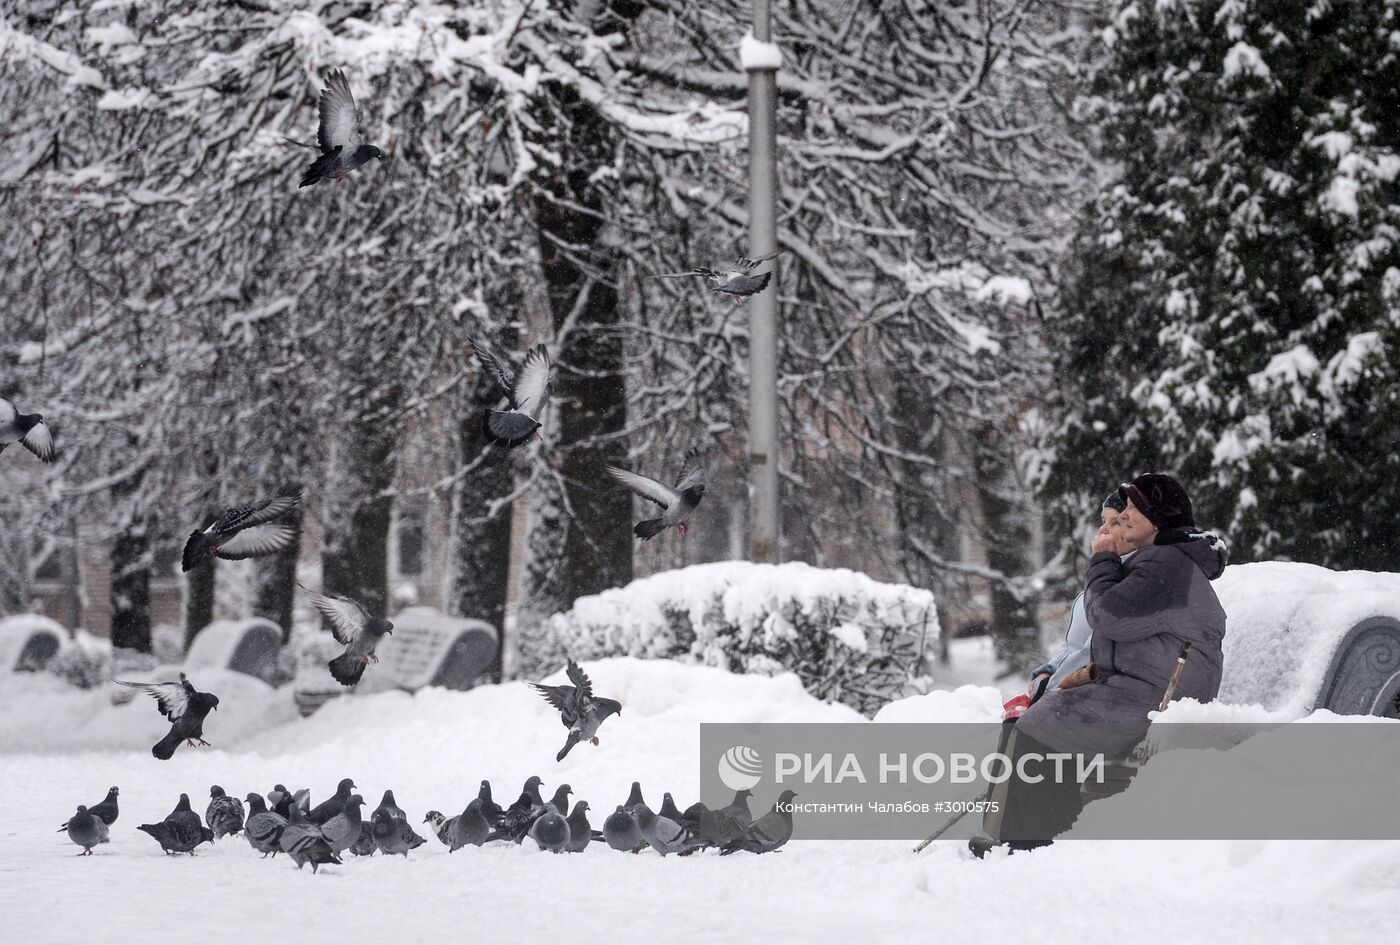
x=1142, y=611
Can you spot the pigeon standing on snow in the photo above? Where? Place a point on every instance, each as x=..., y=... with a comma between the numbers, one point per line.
x=180, y=831
x=354, y=629
x=27, y=429
x=580, y=831
x=662, y=834
x=471, y=826
x=738, y=809
x=580, y=711
x=245, y=531
x=184, y=707
x=86, y=830
x=343, y=830
x=388, y=805
x=620, y=831
x=224, y=814
x=106, y=811
x=304, y=842
x=634, y=798
x=559, y=803
x=489, y=808
x=550, y=831
x=333, y=805
x=738, y=283
x=769, y=832
x=515, y=822
x=340, y=136
x=389, y=835
x=365, y=845
x=442, y=826
x=263, y=828
x=677, y=504
x=527, y=394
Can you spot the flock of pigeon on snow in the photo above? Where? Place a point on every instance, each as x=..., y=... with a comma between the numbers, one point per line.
x=285, y=822
x=318, y=835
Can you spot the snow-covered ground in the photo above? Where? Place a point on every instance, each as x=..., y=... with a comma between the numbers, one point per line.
x=60, y=748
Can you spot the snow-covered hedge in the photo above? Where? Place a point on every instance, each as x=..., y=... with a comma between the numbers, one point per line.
x=848, y=638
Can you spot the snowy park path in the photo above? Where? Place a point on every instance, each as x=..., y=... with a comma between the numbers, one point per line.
x=433, y=748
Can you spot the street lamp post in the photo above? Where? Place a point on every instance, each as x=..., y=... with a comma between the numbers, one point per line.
x=764, y=496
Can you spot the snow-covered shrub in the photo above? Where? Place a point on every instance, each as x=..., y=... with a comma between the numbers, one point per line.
x=85, y=661
x=848, y=638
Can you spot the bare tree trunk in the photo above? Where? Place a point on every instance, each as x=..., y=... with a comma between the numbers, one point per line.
x=355, y=552
x=199, y=602
x=479, y=556
x=543, y=590
x=591, y=394
x=131, y=572
x=1007, y=532
x=274, y=584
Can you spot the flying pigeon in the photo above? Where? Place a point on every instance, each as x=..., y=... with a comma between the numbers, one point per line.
x=224, y=814
x=620, y=831
x=304, y=842
x=263, y=828
x=343, y=830
x=180, y=831
x=86, y=830
x=246, y=531
x=769, y=832
x=580, y=711
x=340, y=137
x=580, y=831
x=354, y=629
x=184, y=707
x=738, y=283
x=550, y=831
x=106, y=811
x=27, y=429
x=527, y=394
x=663, y=834
x=677, y=504
x=333, y=805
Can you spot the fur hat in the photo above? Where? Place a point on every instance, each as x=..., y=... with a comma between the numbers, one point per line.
x=1161, y=499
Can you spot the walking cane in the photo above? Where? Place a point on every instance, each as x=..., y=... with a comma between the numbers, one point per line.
x=1010, y=712
x=1176, y=676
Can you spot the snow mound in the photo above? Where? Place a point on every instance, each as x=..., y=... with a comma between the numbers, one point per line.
x=964, y=704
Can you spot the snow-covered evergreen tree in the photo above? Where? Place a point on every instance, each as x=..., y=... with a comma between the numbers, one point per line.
x=1231, y=309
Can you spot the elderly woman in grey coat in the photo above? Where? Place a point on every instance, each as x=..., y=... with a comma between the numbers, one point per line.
x=1143, y=610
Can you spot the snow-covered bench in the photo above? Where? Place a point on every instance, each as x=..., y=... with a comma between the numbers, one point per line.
x=28, y=642
x=247, y=646
x=425, y=649
x=1301, y=637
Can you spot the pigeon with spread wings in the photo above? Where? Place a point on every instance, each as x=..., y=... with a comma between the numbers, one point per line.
x=677, y=503
x=340, y=137
x=355, y=629
x=27, y=429
x=739, y=283
x=580, y=710
x=527, y=393
x=246, y=531
x=184, y=707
